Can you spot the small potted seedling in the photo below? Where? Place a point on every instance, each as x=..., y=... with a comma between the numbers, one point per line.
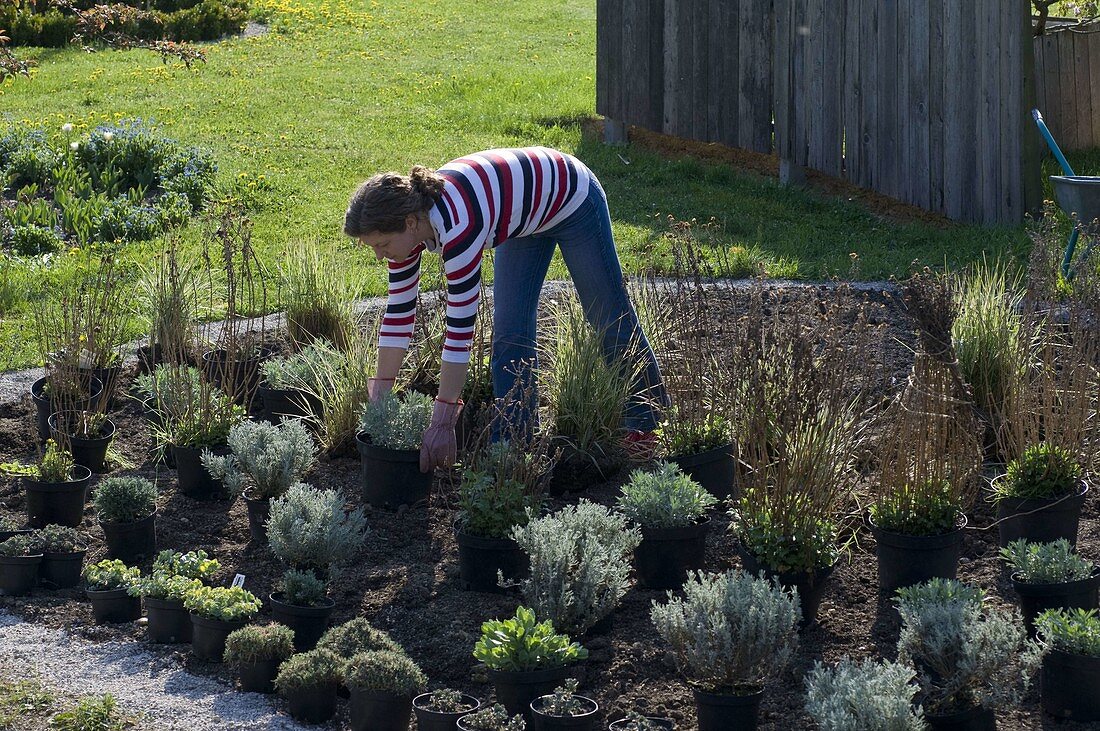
x=390, y=431
x=215, y=612
x=702, y=446
x=729, y=634
x=440, y=709
x=107, y=584
x=265, y=460
x=63, y=550
x=11, y=527
x=289, y=382
x=257, y=651
x=671, y=509
x=868, y=696
x=87, y=433
x=1050, y=576
x=382, y=684
x=493, y=718
x=635, y=721
x=1070, y=679
x=301, y=604
x=308, y=681
x=126, y=508
x=56, y=488
x=564, y=709
x=20, y=558
x=174, y=575
x=1040, y=496
x=526, y=658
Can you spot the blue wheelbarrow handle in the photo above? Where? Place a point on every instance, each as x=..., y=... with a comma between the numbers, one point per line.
x=1067, y=272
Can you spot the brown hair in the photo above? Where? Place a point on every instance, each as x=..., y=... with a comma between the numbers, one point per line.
x=382, y=203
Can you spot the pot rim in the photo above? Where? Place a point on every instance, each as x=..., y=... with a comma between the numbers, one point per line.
x=39, y=485
x=709, y=455
x=961, y=522
x=108, y=422
x=551, y=673
x=22, y=559
x=1033, y=588
x=593, y=703
x=1082, y=489
x=57, y=555
x=399, y=455
x=102, y=593
x=649, y=533
x=145, y=519
x=747, y=697
x=218, y=623
x=477, y=704
x=93, y=393
x=820, y=572
x=329, y=602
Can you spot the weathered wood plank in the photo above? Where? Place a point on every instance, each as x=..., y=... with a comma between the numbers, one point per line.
x=990, y=162
x=700, y=75
x=936, y=139
x=905, y=121
x=1067, y=85
x=853, y=92
x=765, y=54
x=671, y=80
x=1014, y=112
x=887, y=117
x=918, y=166
x=1032, y=184
x=834, y=69
x=1083, y=91
x=869, y=53
x=746, y=31
x=781, y=77
x=604, y=57
x=1093, y=45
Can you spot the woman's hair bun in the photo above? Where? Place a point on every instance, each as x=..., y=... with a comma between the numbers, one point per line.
x=426, y=181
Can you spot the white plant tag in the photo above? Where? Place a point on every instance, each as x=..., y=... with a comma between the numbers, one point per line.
x=238, y=580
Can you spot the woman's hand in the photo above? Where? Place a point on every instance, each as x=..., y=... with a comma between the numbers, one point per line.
x=440, y=446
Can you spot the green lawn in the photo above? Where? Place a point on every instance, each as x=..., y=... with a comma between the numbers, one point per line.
x=340, y=90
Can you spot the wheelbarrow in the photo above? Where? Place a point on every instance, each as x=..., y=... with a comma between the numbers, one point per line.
x=1077, y=195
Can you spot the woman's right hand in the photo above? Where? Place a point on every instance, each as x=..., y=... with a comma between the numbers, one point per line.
x=378, y=387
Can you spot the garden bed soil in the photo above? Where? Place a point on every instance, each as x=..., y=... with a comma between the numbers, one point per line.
x=406, y=580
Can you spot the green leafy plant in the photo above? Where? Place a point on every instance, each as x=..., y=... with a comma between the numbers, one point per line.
x=564, y=702
x=397, y=421
x=204, y=419
x=193, y=564
x=259, y=643
x=302, y=588
x=232, y=604
x=313, y=669
x=730, y=632
x=447, y=700
x=356, y=636
x=802, y=546
x=503, y=483
x=580, y=564
x=1043, y=471
x=1076, y=631
x=61, y=539
x=125, y=499
x=309, y=528
x=110, y=574
x=923, y=510
x=866, y=696
x=301, y=371
x=23, y=544
x=98, y=713
x=56, y=465
x=387, y=671
x=494, y=718
x=664, y=498
x=266, y=458
x=164, y=586
x=522, y=643
x=340, y=383
x=634, y=721
x=170, y=387
x=1046, y=563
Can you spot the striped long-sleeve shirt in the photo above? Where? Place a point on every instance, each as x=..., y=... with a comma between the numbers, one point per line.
x=488, y=198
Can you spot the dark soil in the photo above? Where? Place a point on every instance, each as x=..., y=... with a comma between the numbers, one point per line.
x=406, y=580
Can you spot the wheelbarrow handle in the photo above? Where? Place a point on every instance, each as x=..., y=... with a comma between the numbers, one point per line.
x=1045, y=131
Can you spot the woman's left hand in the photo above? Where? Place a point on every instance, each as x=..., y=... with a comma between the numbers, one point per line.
x=440, y=446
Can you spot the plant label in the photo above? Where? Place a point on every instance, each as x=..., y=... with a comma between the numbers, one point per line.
x=238, y=580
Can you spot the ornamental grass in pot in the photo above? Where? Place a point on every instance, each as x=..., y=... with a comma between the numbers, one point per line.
x=174, y=574
x=63, y=550
x=868, y=696
x=289, y=382
x=201, y=426
x=20, y=558
x=265, y=460
x=970, y=659
x=491, y=718
x=126, y=508
x=1050, y=576
x=107, y=585
x=729, y=634
x=87, y=434
x=308, y=682
x=1040, y=496
x=390, y=433
x=257, y=651
x=579, y=566
x=1069, y=682
x=565, y=709
x=671, y=510
x=56, y=488
x=215, y=612
x=440, y=709
x=525, y=658
x=168, y=392
x=383, y=684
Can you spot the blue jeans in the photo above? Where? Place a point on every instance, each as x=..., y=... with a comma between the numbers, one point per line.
x=520, y=267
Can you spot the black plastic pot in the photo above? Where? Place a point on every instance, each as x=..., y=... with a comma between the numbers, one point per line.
x=59, y=503
x=373, y=710
x=584, y=722
x=62, y=570
x=169, y=623
x=665, y=555
x=1040, y=520
x=194, y=481
x=114, y=606
x=1036, y=598
x=19, y=574
x=6, y=534
x=259, y=509
x=391, y=477
x=810, y=584
x=904, y=560
x=663, y=722
x=258, y=677
x=1069, y=686
x=479, y=559
x=717, y=712
x=972, y=719
x=239, y=379
x=279, y=404
x=315, y=704
x=715, y=470
x=44, y=405
x=427, y=720
x=134, y=542
x=88, y=451
x=516, y=689
x=308, y=623
x=109, y=378
x=208, y=637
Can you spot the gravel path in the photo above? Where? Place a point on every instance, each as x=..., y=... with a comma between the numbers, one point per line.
x=144, y=683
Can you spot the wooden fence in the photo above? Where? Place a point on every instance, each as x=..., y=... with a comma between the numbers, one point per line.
x=1067, y=73
x=922, y=100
